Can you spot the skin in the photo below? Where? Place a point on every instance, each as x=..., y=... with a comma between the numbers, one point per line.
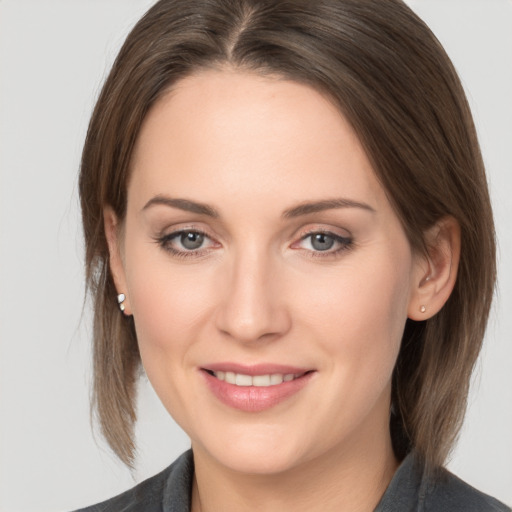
x=259, y=291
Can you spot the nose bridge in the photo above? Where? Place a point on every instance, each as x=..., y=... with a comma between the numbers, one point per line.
x=252, y=305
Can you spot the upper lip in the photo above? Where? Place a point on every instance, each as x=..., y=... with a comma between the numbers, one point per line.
x=256, y=369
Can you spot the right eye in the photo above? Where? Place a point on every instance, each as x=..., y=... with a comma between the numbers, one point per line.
x=190, y=240
x=186, y=243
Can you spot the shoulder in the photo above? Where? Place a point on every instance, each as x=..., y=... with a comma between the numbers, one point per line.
x=415, y=489
x=450, y=493
x=171, y=486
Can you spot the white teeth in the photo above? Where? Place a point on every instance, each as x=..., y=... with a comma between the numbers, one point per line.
x=276, y=378
x=261, y=380
x=239, y=379
x=243, y=380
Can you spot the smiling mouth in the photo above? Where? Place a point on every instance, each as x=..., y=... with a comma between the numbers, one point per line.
x=255, y=388
x=265, y=380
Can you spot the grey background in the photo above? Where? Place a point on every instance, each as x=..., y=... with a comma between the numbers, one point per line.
x=54, y=55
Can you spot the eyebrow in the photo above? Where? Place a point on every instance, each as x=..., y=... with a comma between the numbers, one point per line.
x=328, y=204
x=297, y=211
x=182, y=204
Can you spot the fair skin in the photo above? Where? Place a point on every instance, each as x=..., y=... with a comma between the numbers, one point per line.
x=238, y=279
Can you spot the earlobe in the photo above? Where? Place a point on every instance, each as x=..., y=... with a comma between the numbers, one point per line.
x=434, y=281
x=113, y=236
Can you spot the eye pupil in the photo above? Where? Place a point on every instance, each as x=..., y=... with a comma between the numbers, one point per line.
x=322, y=242
x=192, y=240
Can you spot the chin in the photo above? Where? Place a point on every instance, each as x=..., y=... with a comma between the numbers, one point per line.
x=255, y=453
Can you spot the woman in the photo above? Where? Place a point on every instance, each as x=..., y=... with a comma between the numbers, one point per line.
x=287, y=222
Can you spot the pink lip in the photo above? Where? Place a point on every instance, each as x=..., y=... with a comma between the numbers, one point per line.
x=254, y=398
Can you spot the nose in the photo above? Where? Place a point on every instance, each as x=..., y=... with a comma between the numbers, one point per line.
x=253, y=304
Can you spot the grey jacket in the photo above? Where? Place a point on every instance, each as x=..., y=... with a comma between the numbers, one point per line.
x=410, y=490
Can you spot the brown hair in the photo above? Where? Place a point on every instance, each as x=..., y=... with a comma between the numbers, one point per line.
x=394, y=83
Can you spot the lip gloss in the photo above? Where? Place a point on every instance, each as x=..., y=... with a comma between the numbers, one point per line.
x=254, y=398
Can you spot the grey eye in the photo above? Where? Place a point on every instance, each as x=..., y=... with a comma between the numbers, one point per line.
x=191, y=240
x=321, y=241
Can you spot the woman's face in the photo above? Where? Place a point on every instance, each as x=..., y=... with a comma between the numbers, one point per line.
x=268, y=276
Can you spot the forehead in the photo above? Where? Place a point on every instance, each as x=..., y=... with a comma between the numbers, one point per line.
x=249, y=134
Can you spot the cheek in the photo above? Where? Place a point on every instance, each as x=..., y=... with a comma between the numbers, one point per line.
x=359, y=314
x=168, y=307
x=168, y=302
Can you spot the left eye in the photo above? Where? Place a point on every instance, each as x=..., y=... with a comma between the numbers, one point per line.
x=191, y=240
x=323, y=242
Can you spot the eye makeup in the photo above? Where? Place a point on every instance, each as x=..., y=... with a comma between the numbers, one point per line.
x=191, y=242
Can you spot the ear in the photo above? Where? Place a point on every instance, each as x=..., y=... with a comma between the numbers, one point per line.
x=114, y=238
x=436, y=272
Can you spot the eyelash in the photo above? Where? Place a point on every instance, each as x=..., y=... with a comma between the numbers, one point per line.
x=165, y=242
x=345, y=244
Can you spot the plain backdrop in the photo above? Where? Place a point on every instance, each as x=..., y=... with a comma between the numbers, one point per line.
x=54, y=54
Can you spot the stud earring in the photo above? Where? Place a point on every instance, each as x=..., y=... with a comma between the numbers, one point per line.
x=423, y=309
x=120, y=299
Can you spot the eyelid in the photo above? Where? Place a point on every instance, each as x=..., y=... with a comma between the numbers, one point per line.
x=311, y=229
x=345, y=242
x=332, y=234
x=176, y=229
x=165, y=238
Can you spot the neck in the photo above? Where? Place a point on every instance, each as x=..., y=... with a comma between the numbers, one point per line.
x=346, y=479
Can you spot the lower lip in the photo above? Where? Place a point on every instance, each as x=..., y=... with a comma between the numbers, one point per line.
x=254, y=398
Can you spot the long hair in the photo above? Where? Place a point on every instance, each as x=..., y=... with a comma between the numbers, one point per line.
x=391, y=79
